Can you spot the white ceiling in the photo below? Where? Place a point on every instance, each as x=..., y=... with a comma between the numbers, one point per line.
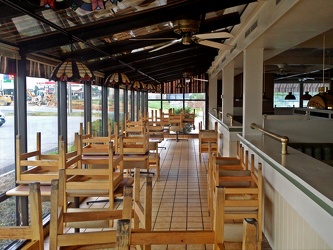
x=293, y=32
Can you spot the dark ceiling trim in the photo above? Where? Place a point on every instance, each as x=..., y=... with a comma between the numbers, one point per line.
x=171, y=53
x=127, y=22
x=198, y=54
x=107, y=27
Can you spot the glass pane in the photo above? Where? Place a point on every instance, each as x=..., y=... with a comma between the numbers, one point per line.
x=154, y=106
x=199, y=108
x=75, y=114
x=121, y=107
x=281, y=90
x=129, y=102
x=7, y=150
x=96, y=109
x=135, y=100
x=111, y=106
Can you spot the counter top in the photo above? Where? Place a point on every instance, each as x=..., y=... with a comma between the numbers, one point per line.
x=310, y=175
x=235, y=127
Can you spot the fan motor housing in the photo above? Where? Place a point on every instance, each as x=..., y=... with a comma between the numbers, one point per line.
x=186, y=26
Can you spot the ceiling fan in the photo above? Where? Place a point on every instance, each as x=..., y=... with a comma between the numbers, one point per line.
x=282, y=70
x=188, y=28
x=189, y=76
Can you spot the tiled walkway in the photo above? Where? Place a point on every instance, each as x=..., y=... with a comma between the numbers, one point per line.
x=180, y=196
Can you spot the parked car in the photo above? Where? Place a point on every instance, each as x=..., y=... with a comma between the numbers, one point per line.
x=2, y=118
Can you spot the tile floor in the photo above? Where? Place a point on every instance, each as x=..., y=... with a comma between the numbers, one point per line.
x=180, y=196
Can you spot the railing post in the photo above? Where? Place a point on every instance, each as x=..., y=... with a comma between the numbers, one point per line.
x=283, y=139
x=231, y=118
x=123, y=234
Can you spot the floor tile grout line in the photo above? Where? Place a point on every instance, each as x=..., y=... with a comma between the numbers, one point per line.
x=163, y=188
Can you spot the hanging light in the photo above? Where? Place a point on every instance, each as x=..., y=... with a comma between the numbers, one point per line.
x=306, y=96
x=150, y=88
x=137, y=85
x=117, y=79
x=71, y=71
x=180, y=85
x=290, y=96
x=158, y=88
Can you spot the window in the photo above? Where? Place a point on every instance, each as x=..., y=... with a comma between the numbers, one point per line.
x=283, y=89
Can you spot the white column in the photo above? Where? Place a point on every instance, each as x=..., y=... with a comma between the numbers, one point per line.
x=212, y=88
x=228, y=91
x=253, y=89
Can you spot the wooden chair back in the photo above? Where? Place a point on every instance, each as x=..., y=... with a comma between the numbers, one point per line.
x=154, y=158
x=136, y=127
x=34, y=232
x=95, y=144
x=34, y=166
x=61, y=218
x=134, y=210
x=164, y=118
x=208, y=140
x=101, y=177
x=189, y=118
x=156, y=130
x=241, y=192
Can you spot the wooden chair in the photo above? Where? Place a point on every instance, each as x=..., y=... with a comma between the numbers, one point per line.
x=164, y=118
x=156, y=130
x=153, y=116
x=189, y=118
x=208, y=140
x=135, y=150
x=101, y=178
x=34, y=232
x=239, y=162
x=133, y=210
x=34, y=166
x=154, y=158
x=241, y=192
x=176, y=124
x=61, y=217
x=95, y=144
x=243, y=233
x=136, y=127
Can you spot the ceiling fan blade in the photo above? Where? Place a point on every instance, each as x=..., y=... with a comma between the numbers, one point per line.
x=214, y=44
x=214, y=35
x=202, y=80
x=167, y=45
x=152, y=39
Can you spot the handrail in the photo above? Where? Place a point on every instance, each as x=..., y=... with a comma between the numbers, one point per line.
x=283, y=139
x=231, y=118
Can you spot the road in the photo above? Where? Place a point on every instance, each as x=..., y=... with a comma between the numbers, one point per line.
x=47, y=125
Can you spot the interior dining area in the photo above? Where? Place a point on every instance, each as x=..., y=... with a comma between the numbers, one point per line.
x=166, y=124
